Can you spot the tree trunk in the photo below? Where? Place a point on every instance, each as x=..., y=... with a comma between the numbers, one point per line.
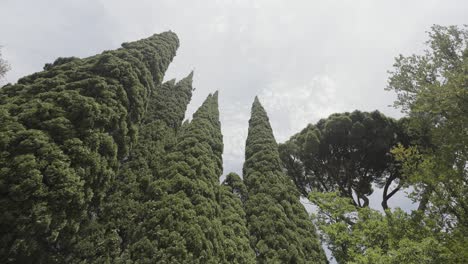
x=386, y=196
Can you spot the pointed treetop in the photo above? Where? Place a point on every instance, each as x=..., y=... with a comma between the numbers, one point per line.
x=188, y=78
x=169, y=102
x=189, y=229
x=206, y=121
x=260, y=142
x=171, y=82
x=203, y=108
x=185, y=84
x=156, y=52
x=274, y=212
x=209, y=108
x=154, y=40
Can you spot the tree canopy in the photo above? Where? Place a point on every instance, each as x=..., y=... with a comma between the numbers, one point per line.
x=431, y=157
x=432, y=90
x=347, y=152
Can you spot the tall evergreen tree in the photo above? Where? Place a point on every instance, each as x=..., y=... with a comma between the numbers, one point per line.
x=170, y=101
x=280, y=228
x=63, y=133
x=236, y=235
x=165, y=113
x=115, y=230
x=183, y=220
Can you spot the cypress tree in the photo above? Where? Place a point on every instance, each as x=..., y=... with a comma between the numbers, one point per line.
x=170, y=102
x=280, y=228
x=64, y=131
x=107, y=238
x=165, y=113
x=182, y=221
x=236, y=235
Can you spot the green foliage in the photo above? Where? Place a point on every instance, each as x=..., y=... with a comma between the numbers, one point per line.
x=170, y=101
x=346, y=152
x=280, y=228
x=236, y=235
x=136, y=185
x=64, y=131
x=363, y=235
x=180, y=222
x=431, y=89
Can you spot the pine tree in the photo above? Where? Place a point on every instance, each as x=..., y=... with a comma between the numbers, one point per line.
x=346, y=152
x=182, y=221
x=280, y=228
x=236, y=235
x=64, y=131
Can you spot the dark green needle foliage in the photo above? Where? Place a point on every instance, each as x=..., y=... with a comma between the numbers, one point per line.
x=346, y=152
x=182, y=221
x=63, y=132
x=280, y=228
x=170, y=102
x=236, y=235
x=125, y=207
x=165, y=113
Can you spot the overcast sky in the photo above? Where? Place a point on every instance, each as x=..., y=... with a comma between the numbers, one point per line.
x=304, y=59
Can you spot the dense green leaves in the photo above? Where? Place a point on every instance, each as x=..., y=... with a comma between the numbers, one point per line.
x=364, y=235
x=170, y=101
x=136, y=187
x=348, y=153
x=171, y=184
x=63, y=133
x=432, y=89
x=236, y=235
x=180, y=222
x=280, y=229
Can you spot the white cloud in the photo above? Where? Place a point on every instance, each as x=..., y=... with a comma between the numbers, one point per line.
x=234, y=119
x=220, y=25
x=292, y=107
